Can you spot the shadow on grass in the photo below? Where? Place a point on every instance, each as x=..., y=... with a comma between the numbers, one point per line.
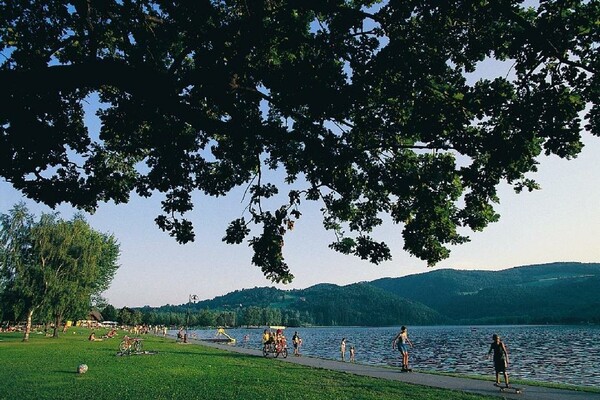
x=65, y=372
x=210, y=354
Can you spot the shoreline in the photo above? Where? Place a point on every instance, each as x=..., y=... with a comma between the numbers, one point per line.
x=434, y=380
x=458, y=350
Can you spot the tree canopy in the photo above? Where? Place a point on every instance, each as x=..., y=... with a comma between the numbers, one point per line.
x=378, y=110
x=51, y=266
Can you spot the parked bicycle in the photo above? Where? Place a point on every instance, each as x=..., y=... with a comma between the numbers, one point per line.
x=130, y=345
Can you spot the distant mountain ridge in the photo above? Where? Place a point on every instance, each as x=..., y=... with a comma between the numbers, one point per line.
x=548, y=293
x=565, y=292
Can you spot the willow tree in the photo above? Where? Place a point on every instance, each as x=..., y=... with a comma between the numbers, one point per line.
x=56, y=268
x=81, y=265
x=377, y=110
x=16, y=297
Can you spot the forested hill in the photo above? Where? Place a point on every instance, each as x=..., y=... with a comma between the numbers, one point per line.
x=549, y=293
x=326, y=304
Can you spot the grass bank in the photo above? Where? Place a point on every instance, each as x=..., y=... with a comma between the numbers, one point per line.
x=45, y=368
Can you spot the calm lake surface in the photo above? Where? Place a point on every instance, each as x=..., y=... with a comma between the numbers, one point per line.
x=559, y=354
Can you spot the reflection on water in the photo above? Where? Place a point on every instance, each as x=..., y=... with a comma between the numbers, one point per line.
x=560, y=354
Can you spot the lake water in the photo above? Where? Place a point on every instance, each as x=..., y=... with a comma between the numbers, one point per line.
x=559, y=354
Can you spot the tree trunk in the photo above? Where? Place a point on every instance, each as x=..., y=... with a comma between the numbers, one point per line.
x=57, y=321
x=28, y=325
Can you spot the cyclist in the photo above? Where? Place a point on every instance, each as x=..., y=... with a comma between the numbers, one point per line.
x=268, y=339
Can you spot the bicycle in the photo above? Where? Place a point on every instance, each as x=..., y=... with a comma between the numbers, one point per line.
x=130, y=345
x=275, y=349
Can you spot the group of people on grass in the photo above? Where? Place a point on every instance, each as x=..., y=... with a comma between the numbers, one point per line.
x=109, y=335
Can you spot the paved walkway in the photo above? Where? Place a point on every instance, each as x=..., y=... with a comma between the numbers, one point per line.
x=417, y=378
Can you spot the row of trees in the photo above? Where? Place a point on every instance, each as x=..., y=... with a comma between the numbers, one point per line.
x=52, y=268
x=247, y=316
x=124, y=316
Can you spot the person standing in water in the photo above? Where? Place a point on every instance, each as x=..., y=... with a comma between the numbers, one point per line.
x=343, y=349
x=500, y=359
x=402, y=341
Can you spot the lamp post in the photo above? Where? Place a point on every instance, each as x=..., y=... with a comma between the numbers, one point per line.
x=192, y=298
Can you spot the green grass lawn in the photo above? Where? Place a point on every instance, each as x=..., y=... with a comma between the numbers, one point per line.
x=45, y=368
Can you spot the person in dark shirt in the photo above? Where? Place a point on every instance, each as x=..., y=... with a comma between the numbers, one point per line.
x=500, y=358
x=297, y=341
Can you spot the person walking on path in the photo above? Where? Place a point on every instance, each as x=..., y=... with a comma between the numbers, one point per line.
x=402, y=341
x=343, y=349
x=297, y=341
x=500, y=358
